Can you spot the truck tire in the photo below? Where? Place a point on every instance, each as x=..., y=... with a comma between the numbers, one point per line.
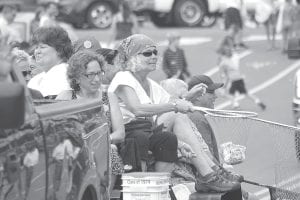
x=100, y=15
x=189, y=12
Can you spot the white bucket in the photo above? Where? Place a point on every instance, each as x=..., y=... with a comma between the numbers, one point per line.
x=146, y=195
x=146, y=186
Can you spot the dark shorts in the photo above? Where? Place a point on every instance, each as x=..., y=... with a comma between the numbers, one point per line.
x=163, y=145
x=232, y=16
x=238, y=86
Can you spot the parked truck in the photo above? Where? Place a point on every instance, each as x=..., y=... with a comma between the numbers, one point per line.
x=188, y=13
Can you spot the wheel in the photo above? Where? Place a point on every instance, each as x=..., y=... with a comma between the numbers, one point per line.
x=208, y=21
x=161, y=20
x=189, y=12
x=100, y=15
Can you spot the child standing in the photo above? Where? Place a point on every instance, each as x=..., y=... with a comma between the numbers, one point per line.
x=174, y=61
x=234, y=79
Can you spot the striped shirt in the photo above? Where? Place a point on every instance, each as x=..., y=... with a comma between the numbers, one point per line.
x=174, y=61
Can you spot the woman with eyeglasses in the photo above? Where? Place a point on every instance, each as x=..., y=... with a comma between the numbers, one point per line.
x=146, y=105
x=85, y=74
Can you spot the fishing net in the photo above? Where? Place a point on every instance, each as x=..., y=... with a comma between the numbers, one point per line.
x=271, y=151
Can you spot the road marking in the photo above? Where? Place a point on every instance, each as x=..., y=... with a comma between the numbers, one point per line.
x=216, y=69
x=255, y=38
x=191, y=41
x=265, y=84
x=188, y=41
x=184, y=41
x=35, y=178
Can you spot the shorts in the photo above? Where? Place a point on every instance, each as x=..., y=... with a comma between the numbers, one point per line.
x=163, y=145
x=232, y=16
x=238, y=86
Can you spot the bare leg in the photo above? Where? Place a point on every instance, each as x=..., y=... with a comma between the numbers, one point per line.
x=113, y=179
x=284, y=39
x=257, y=101
x=185, y=133
x=144, y=166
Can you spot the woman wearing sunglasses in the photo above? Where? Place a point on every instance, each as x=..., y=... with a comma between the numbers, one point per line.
x=145, y=105
x=85, y=74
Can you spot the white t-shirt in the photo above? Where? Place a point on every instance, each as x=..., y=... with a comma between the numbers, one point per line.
x=231, y=65
x=157, y=94
x=52, y=82
x=296, y=98
x=65, y=148
x=9, y=31
x=31, y=158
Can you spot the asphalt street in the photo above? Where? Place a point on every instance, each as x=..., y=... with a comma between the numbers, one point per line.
x=269, y=75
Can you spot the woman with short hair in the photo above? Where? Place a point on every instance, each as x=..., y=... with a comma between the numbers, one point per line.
x=53, y=48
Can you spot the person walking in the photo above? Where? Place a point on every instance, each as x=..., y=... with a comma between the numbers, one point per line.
x=124, y=24
x=234, y=80
x=9, y=10
x=233, y=17
x=174, y=60
x=285, y=23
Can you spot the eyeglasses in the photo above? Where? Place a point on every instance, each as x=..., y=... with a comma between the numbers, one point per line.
x=149, y=53
x=92, y=75
x=26, y=73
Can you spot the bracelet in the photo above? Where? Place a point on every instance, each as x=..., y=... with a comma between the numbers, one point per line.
x=175, y=106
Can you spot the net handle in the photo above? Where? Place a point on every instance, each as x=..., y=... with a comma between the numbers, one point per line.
x=225, y=113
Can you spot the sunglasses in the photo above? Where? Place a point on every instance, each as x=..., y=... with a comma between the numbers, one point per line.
x=91, y=76
x=149, y=53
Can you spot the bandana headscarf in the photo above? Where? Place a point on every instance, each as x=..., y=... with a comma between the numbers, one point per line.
x=133, y=45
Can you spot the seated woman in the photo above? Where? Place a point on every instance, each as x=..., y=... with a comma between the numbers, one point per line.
x=53, y=48
x=85, y=74
x=143, y=99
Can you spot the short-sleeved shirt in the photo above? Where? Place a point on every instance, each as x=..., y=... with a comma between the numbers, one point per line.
x=51, y=83
x=157, y=94
x=9, y=31
x=230, y=65
x=31, y=158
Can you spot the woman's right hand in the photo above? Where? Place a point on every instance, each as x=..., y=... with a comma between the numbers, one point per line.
x=183, y=106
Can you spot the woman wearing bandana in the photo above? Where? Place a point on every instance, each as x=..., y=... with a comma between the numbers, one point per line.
x=151, y=116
